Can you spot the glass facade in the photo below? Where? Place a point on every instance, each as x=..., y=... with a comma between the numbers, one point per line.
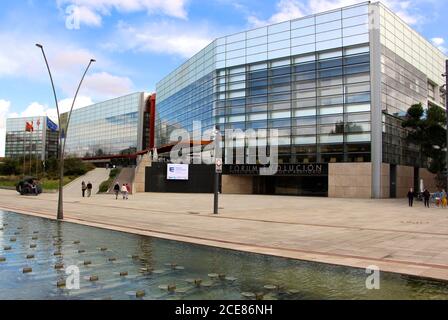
x=319, y=103
x=106, y=128
x=311, y=79
x=41, y=142
x=308, y=78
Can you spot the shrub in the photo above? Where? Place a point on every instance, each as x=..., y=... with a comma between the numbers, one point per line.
x=114, y=173
x=104, y=186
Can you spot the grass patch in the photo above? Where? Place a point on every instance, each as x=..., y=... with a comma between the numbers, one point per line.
x=47, y=184
x=105, y=185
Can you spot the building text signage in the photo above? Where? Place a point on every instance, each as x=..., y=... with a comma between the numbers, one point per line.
x=308, y=169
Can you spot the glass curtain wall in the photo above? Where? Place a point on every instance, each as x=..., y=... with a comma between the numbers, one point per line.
x=319, y=103
x=20, y=142
x=106, y=128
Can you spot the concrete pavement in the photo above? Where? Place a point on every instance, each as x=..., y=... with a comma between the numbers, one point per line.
x=351, y=232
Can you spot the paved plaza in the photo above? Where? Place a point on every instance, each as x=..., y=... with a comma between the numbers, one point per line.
x=352, y=232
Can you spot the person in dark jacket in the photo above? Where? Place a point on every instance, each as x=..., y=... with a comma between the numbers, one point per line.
x=426, y=196
x=89, y=189
x=116, y=190
x=83, y=189
x=411, y=196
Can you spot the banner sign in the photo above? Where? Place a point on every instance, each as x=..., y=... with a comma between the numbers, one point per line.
x=177, y=172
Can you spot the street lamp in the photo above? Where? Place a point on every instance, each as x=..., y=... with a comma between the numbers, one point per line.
x=218, y=167
x=62, y=139
x=446, y=111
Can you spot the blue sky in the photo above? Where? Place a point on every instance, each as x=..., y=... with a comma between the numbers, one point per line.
x=138, y=42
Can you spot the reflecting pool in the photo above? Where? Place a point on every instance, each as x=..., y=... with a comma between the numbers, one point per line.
x=35, y=253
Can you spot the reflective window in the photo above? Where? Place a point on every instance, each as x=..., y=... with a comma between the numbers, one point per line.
x=301, y=23
x=327, y=17
x=279, y=27
x=307, y=31
x=328, y=26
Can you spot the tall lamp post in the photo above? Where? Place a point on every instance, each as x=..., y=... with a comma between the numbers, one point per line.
x=446, y=110
x=218, y=168
x=62, y=138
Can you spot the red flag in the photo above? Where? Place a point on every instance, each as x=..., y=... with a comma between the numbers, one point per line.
x=29, y=126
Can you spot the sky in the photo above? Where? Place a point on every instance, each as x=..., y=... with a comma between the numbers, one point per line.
x=138, y=42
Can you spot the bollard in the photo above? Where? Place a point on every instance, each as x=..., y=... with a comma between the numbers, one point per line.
x=81, y=251
x=123, y=274
x=34, y=238
x=86, y=263
x=7, y=248
x=197, y=282
x=13, y=239
x=140, y=294
x=60, y=284
x=30, y=256
x=32, y=246
x=27, y=270
x=103, y=249
x=171, y=288
x=112, y=259
x=57, y=253
x=59, y=266
x=94, y=278
x=76, y=242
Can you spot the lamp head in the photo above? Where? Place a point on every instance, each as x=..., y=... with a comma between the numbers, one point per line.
x=92, y=60
x=39, y=45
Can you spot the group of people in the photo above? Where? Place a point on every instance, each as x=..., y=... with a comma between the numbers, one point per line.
x=440, y=198
x=86, y=187
x=125, y=190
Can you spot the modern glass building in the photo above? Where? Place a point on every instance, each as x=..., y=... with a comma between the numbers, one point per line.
x=335, y=85
x=113, y=127
x=41, y=141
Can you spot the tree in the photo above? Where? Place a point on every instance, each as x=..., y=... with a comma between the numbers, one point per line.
x=428, y=131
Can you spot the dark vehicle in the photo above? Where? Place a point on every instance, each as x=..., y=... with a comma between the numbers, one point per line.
x=29, y=186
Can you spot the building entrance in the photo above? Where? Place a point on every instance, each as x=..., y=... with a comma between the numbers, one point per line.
x=294, y=186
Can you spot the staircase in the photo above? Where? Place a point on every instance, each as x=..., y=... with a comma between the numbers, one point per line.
x=126, y=176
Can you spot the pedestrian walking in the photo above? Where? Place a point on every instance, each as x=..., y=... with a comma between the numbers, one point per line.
x=426, y=196
x=124, y=191
x=83, y=188
x=411, y=196
x=89, y=189
x=116, y=190
x=444, y=199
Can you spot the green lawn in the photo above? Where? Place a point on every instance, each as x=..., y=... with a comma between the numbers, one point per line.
x=47, y=184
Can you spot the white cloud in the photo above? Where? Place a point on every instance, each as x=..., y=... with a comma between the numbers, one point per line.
x=163, y=37
x=286, y=10
x=106, y=85
x=91, y=11
x=4, y=110
x=36, y=109
x=440, y=43
x=292, y=9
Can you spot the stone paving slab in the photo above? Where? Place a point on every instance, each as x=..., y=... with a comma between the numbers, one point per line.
x=351, y=232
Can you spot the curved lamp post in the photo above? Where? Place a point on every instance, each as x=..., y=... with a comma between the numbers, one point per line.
x=62, y=138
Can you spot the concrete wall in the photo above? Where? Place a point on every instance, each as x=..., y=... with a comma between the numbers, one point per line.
x=405, y=180
x=385, y=181
x=428, y=180
x=237, y=185
x=350, y=180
